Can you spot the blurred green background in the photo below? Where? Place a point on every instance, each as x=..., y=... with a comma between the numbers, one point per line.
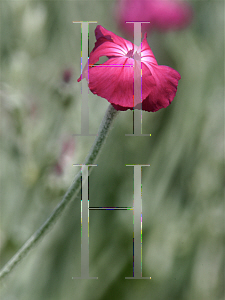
x=183, y=209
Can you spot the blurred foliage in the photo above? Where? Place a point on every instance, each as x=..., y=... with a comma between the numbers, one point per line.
x=183, y=210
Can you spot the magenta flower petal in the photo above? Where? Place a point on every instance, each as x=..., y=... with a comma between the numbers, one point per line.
x=107, y=44
x=166, y=81
x=165, y=90
x=120, y=45
x=114, y=79
x=162, y=94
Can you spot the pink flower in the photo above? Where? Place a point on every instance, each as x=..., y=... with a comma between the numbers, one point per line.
x=113, y=80
x=162, y=14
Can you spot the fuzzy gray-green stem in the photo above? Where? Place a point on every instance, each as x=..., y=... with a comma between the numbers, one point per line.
x=68, y=197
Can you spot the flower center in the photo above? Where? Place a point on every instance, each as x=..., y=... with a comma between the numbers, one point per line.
x=130, y=54
x=135, y=56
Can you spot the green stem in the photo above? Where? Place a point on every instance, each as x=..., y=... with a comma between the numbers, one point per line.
x=68, y=197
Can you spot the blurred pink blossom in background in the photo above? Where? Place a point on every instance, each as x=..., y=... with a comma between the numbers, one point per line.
x=67, y=75
x=67, y=152
x=163, y=15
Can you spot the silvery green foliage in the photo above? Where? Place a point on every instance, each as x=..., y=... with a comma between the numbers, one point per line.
x=182, y=189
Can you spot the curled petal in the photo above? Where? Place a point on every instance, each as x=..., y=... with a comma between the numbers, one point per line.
x=163, y=93
x=147, y=56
